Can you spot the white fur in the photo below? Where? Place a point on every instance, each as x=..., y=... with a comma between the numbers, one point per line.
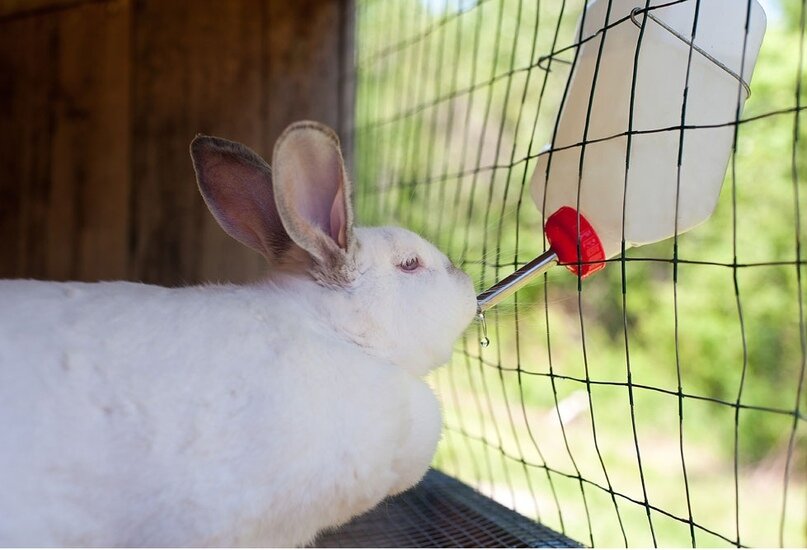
x=138, y=415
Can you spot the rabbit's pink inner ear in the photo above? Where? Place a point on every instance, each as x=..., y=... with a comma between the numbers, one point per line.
x=317, y=185
x=339, y=219
x=310, y=172
x=236, y=184
x=242, y=203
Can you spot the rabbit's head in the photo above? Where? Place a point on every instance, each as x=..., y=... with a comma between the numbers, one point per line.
x=386, y=289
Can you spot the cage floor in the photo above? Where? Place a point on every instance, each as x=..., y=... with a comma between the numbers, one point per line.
x=442, y=512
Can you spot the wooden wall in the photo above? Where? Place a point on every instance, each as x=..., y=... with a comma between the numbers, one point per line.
x=99, y=100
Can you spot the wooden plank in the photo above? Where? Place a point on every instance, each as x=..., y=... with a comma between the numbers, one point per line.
x=64, y=148
x=25, y=8
x=197, y=69
x=27, y=49
x=229, y=100
x=311, y=70
x=347, y=80
x=99, y=101
x=243, y=70
x=303, y=51
x=88, y=222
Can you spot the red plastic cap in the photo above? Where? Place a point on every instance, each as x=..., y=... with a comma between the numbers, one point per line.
x=561, y=232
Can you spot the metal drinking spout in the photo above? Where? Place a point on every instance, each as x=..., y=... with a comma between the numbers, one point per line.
x=515, y=281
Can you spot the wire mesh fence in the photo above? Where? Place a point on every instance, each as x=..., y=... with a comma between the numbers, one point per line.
x=659, y=402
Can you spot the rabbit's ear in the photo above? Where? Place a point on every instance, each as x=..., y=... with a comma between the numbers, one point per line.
x=313, y=194
x=236, y=184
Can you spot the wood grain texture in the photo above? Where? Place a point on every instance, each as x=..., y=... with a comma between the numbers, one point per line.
x=24, y=8
x=197, y=70
x=27, y=82
x=99, y=101
x=303, y=50
x=347, y=80
x=64, y=148
x=88, y=223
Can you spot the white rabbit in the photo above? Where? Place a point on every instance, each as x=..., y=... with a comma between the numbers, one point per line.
x=139, y=415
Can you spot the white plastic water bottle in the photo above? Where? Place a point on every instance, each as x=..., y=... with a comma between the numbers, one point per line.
x=656, y=203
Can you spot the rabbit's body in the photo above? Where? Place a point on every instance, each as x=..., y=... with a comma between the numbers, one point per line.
x=180, y=444
x=139, y=415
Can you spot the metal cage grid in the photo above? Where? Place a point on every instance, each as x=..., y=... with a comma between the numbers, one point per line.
x=441, y=512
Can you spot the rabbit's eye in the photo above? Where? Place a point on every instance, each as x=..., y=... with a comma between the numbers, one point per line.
x=410, y=264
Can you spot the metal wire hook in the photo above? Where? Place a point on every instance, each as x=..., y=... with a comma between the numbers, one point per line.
x=635, y=11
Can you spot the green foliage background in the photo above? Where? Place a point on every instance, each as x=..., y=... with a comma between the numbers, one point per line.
x=450, y=115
